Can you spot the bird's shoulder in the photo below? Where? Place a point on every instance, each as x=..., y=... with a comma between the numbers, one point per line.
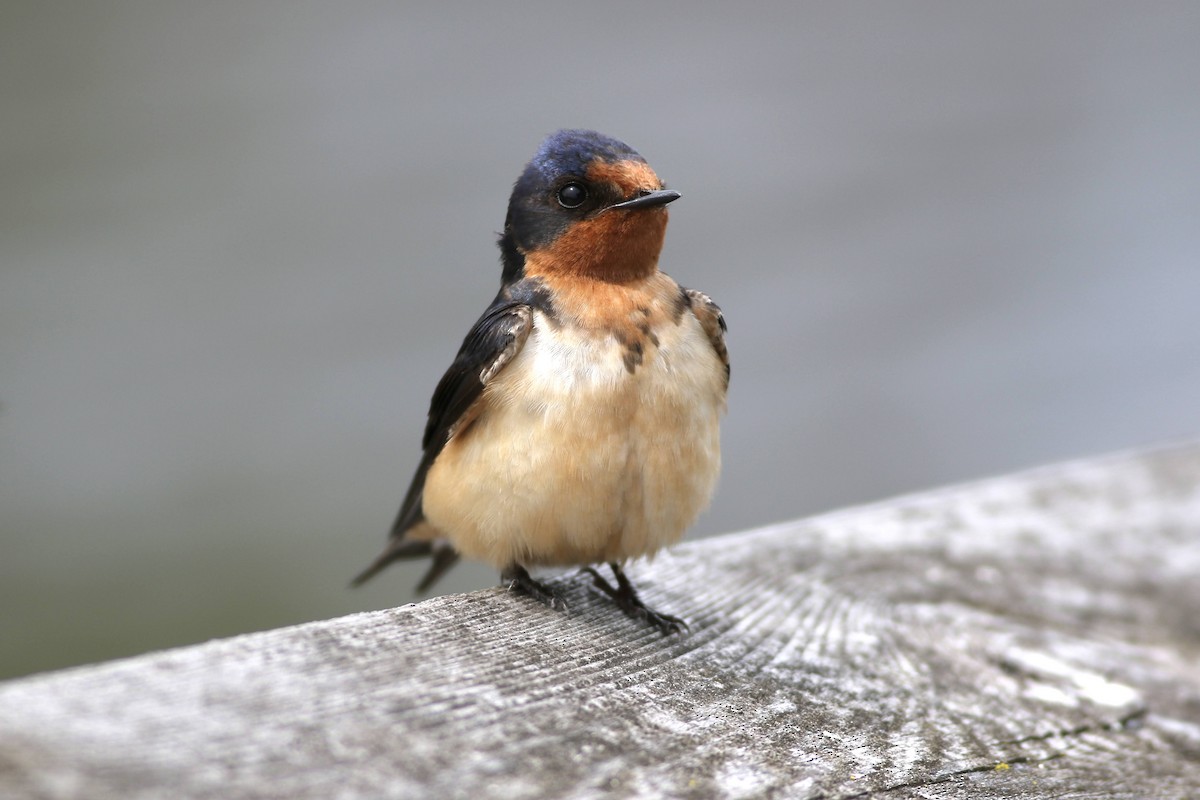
x=712, y=322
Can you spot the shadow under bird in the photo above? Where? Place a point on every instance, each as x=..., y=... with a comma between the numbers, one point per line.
x=579, y=423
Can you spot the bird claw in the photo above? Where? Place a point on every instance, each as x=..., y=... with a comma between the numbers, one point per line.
x=667, y=624
x=626, y=598
x=520, y=582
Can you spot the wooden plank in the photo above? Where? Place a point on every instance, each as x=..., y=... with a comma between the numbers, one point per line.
x=1029, y=636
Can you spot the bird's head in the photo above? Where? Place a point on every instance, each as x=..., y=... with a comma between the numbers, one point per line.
x=586, y=205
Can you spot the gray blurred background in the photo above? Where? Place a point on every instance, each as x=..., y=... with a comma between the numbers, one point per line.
x=239, y=242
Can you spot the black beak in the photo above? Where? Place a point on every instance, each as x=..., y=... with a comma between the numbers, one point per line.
x=647, y=199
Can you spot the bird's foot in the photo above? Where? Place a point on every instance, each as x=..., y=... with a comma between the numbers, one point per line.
x=626, y=599
x=519, y=581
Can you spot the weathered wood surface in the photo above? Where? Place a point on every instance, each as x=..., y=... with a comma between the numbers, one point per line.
x=1028, y=636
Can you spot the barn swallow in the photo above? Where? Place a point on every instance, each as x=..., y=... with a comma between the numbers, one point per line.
x=579, y=423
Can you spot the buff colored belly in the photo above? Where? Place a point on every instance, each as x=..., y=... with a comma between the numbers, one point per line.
x=575, y=460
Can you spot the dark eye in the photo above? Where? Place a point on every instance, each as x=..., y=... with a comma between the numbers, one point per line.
x=572, y=195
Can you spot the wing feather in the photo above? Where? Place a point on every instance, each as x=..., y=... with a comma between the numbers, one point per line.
x=712, y=321
x=491, y=344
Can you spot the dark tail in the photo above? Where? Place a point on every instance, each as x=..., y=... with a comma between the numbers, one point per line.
x=396, y=550
x=444, y=557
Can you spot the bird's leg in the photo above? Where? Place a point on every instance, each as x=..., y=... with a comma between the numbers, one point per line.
x=626, y=598
x=519, y=581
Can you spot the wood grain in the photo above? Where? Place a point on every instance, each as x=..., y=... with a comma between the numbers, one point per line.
x=1030, y=636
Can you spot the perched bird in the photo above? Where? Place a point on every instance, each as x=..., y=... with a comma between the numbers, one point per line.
x=579, y=422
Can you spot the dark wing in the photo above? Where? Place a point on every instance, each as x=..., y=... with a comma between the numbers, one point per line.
x=712, y=321
x=491, y=344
